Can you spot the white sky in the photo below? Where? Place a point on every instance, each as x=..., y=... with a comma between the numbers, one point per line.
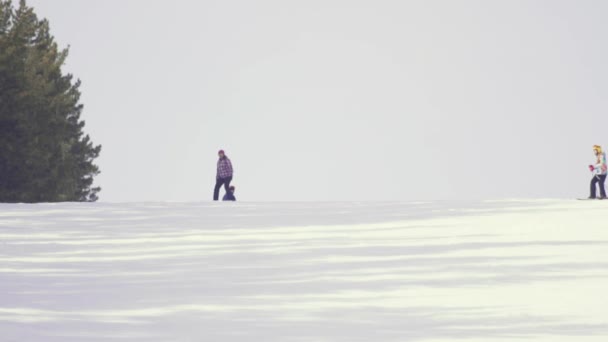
x=340, y=100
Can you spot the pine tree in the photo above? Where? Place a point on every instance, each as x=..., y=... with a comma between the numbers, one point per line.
x=44, y=154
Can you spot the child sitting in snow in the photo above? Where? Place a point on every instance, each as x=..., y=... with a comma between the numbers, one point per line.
x=229, y=196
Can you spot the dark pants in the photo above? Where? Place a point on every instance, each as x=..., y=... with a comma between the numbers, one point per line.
x=218, y=184
x=598, y=179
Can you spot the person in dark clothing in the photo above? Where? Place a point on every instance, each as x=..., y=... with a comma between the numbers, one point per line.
x=229, y=196
x=223, y=176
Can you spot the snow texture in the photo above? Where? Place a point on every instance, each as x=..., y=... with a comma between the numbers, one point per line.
x=427, y=271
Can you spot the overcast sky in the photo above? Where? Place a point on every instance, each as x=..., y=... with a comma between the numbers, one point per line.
x=340, y=99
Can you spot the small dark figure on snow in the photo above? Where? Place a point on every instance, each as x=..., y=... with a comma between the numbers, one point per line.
x=223, y=176
x=229, y=196
x=599, y=170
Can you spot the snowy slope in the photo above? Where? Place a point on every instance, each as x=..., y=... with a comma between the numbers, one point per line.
x=440, y=271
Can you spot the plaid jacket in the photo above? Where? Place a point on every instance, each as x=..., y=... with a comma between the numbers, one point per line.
x=224, y=168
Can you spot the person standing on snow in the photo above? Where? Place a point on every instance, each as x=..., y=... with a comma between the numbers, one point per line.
x=223, y=176
x=599, y=170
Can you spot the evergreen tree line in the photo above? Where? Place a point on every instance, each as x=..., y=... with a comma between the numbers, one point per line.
x=44, y=154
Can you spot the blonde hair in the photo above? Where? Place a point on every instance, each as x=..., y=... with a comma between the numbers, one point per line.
x=597, y=148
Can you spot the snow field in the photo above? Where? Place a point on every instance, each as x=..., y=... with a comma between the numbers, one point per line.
x=426, y=271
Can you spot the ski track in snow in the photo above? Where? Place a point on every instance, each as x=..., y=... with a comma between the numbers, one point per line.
x=534, y=270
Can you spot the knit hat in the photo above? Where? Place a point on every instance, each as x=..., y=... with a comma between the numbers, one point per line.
x=220, y=151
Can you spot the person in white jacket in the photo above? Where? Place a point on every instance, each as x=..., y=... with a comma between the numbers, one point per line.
x=599, y=170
